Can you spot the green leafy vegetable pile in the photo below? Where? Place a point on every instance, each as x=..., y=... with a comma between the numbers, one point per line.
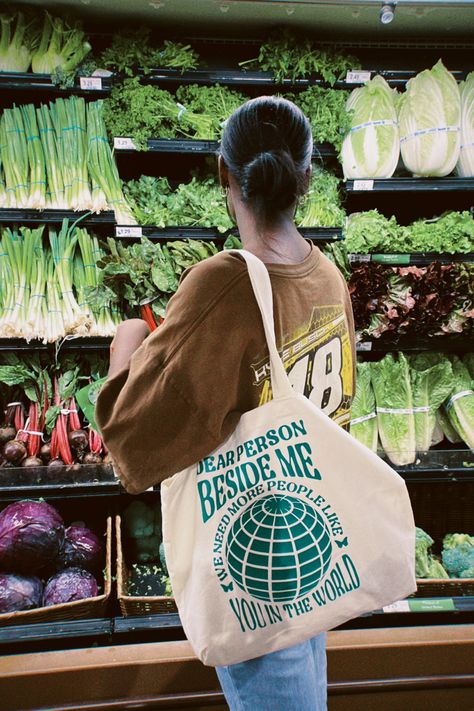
x=145, y=273
x=451, y=233
x=417, y=301
x=198, y=203
x=134, y=50
x=427, y=565
x=142, y=111
x=326, y=110
x=289, y=57
x=322, y=206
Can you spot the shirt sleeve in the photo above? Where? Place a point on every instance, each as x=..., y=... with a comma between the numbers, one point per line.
x=178, y=398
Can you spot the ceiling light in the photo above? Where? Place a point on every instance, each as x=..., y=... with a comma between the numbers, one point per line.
x=387, y=13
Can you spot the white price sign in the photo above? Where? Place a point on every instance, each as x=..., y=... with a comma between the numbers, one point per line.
x=400, y=606
x=363, y=184
x=364, y=346
x=91, y=83
x=357, y=77
x=124, y=144
x=354, y=258
x=128, y=231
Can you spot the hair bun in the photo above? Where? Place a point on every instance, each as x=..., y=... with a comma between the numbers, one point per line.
x=271, y=178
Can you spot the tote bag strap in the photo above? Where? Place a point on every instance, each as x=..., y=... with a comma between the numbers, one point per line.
x=262, y=288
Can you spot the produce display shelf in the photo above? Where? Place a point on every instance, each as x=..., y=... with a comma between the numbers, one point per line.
x=420, y=185
x=123, y=145
x=74, y=480
x=71, y=343
x=244, y=77
x=42, y=82
x=158, y=234
x=439, y=465
x=459, y=343
x=416, y=258
x=74, y=629
x=55, y=217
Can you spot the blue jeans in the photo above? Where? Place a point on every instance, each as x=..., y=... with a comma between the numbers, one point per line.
x=293, y=679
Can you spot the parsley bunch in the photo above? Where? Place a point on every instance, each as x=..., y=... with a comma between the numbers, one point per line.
x=133, y=50
x=326, y=110
x=290, y=58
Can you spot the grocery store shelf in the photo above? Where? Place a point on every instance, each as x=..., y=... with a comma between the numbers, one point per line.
x=70, y=343
x=75, y=480
x=418, y=258
x=55, y=217
x=418, y=185
x=459, y=343
x=439, y=465
x=12, y=81
x=22, y=634
x=193, y=146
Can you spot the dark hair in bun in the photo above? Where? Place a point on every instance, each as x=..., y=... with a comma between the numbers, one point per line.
x=267, y=146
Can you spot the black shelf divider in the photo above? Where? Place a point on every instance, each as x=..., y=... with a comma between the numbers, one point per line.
x=70, y=344
x=462, y=343
x=38, y=217
x=231, y=76
x=28, y=81
x=199, y=147
x=418, y=185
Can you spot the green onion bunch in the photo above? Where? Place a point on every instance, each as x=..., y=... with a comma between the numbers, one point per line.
x=43, y=289
x=57, y=156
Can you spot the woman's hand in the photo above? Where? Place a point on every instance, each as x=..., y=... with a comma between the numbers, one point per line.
x=128, y=338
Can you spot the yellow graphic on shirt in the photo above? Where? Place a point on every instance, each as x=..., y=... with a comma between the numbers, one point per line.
x=318, y=360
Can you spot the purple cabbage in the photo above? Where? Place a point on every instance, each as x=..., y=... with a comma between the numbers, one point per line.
x=19, y=592
x=81, y=549
x=31, y=536
x=69, y=585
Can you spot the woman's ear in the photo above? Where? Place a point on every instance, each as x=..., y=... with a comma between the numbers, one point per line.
x=223, y=172
x=307, y=177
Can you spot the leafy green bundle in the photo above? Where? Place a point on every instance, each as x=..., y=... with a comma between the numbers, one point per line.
x=289, y=57
x=451, y=233
x=145, y=273
x=194, y=204
x=134, y=50
x=321, y=206
x=326, y=110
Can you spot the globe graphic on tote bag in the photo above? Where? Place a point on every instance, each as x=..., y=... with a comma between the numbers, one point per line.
x=279, y=549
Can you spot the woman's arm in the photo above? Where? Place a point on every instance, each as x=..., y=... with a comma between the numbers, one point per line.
x=128, y=338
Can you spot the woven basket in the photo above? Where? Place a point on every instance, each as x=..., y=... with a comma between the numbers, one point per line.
x=78, y=610
x=130, y=605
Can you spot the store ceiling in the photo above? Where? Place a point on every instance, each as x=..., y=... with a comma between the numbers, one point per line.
x=421, y=18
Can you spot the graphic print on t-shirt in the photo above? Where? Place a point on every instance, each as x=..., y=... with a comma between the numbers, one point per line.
x=318, y=360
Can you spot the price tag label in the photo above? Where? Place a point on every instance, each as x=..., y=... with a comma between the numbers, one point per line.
x=91, y=83
x=363, y=184
x=357, y=77
x=400, y=259
x=124, y=144
x=364, y=346
x=359, y=258
x=445, y=604
x=400, y=606
x=128, y=231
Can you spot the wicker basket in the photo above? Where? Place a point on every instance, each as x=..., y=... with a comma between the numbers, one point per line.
x=78, y=610
x=130, y=605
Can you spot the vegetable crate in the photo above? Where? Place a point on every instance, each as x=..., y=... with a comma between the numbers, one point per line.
x=441, y=508
x=80, y=609
x=135, y=605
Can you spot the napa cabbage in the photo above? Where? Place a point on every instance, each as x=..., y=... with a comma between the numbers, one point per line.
x=429, y=119
x=372, y=147
x=465, y=164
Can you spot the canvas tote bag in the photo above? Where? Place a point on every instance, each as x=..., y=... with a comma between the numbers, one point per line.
x=288, y=529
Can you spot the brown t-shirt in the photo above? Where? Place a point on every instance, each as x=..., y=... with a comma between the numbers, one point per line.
x=188, y=384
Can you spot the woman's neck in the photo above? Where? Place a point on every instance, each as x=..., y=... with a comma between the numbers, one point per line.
x=279, y=244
